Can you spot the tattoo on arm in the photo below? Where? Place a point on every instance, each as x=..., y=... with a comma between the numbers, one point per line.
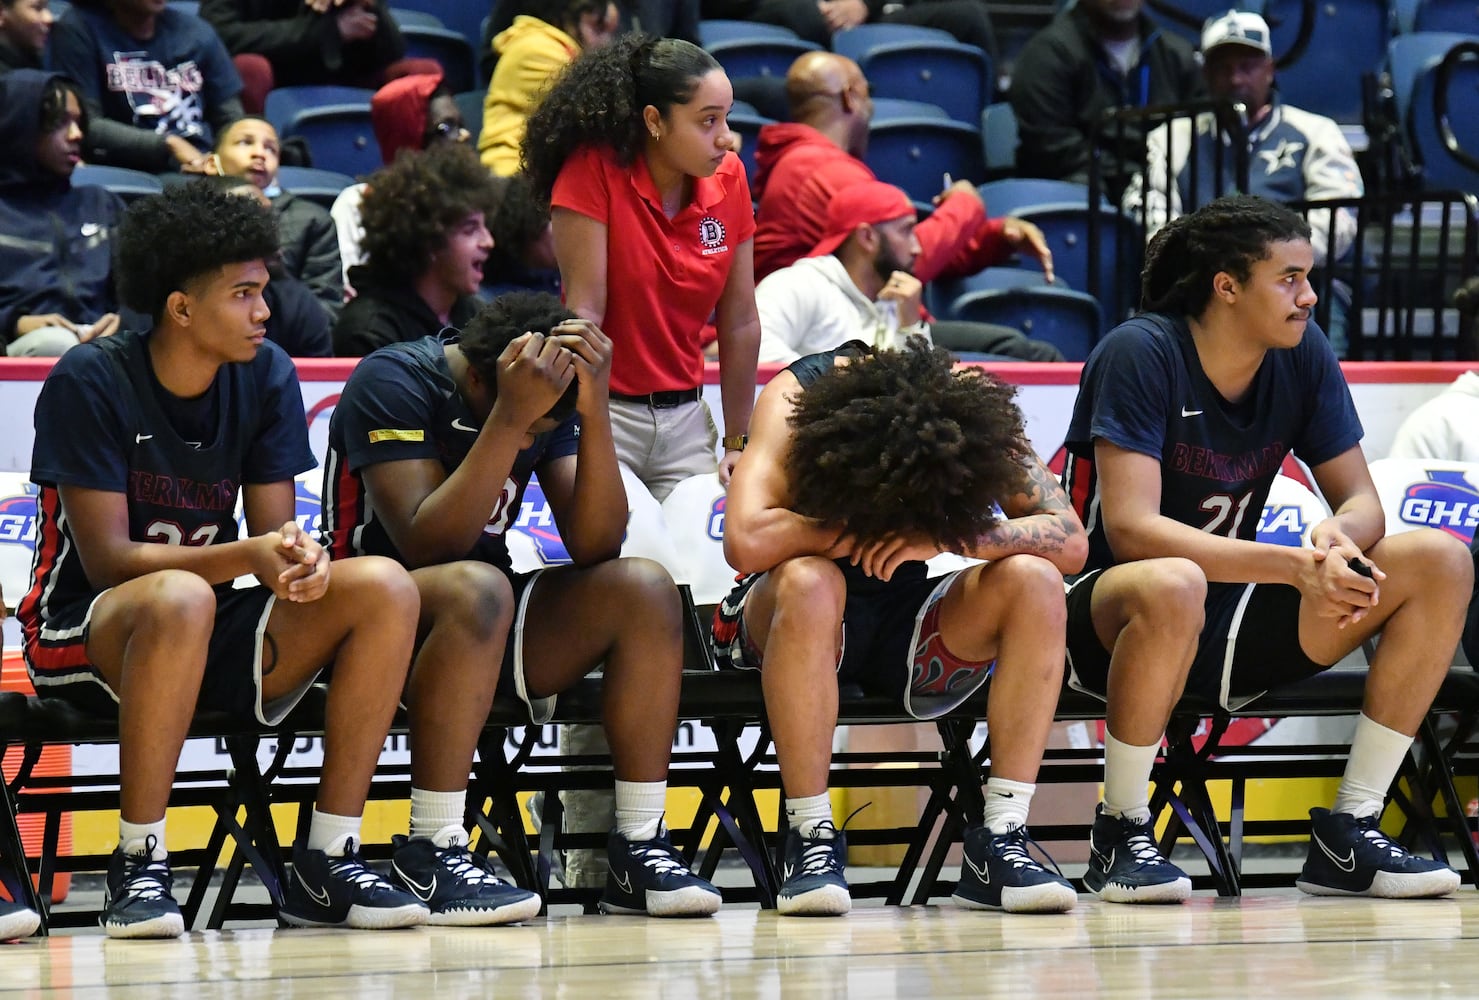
x=1035, y=524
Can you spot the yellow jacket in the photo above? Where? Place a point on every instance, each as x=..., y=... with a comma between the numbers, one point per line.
x=531, y=53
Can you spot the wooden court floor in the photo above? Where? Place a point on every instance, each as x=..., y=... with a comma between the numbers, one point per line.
x=1272, y=944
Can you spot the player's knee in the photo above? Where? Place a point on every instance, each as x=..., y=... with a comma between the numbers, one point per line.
x=1036, y=585
x=1169, y=591
x=375, y=585
x=1437, y=555
x=175, y=601
x=476, y=596
x=811, y=585
x=648, y=583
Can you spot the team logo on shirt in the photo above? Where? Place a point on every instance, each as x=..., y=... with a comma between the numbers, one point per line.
x=1446, y=501
x=712, y=236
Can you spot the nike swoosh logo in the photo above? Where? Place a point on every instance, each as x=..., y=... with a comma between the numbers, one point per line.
x=141, y=438
x=423, y=892
x=1005, y=795
x=319, y=896
x=787, y=872
x=983, y=872
x=623, y=882
x=458, y=425
x=1190, y=413
x=1346, y=864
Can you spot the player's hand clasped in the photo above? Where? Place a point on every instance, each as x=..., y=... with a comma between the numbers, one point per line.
x=1329, y=581
x=293, y=565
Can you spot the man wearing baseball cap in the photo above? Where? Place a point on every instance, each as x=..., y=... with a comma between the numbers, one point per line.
x=856, y=284
x=1292, y=154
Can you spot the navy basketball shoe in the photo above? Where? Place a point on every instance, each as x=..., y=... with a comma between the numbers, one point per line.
x=16, y=921
x=1125, y=866
x=1352, y=857
x=650, y=876
x=997, y=873
x=459, y=887
x=138, y=903
x=345, y=892
x=812, y=883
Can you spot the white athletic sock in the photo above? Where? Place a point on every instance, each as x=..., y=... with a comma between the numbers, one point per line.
x=804, y=815
x=133, y=838
x=332, y=834
x=438, y=816
x=1127, y=778
x=639, y=808
x=1376, y=754
x=1007, y=803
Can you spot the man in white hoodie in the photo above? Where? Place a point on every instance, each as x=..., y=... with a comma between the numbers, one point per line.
x=856, y=285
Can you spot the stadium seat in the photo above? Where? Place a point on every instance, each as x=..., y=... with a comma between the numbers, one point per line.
x=893, y=107
x=470, y=107
x=1428, y=493
x=191, y=7
x=312, y=184
x=716, y=30
x=447, y=46
x=916, y=153
x=758, y=55
x=1005, y=196
x=1066, y=226
x=285, y=103
x=956, y=77
x=127, y=184
x=747, y=125
x=404, y=16
x=462, y=16
x=1069, y=320
x=1446, y=15
x=1186, y=17
x=999, y=139
x=340, y=137
x=1408, y=54
x=1442, y=113
x=941, y=295
x=1345, y=40
x=854, y=42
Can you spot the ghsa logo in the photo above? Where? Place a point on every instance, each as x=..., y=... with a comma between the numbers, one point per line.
x=538, y=522
x=716, y=520
x=18, y=519
x=1445, y=500
x=1282, y=524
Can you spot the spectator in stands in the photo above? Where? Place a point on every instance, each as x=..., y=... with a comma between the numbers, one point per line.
x=413, y=112
x=354, y=43
x=817, y=21
x=1184, y=416
x=1444, y=426
x=24, y=27
x=1095, y=56
x=530, y=384
x=310, y=244
x=523, y=256
x=156, y=82
x=653, y=230
x=56, y=240
x=132, y=609
x=299, y=324
x=859, y=469
x=858, y=284
x=800, y=164
x=536, y=47
x=426, y=240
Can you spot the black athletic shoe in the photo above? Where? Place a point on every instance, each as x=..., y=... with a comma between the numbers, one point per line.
x=139, y=904
x=997, y=873
x=812, y=882
x=345, y=892
x=650, y=876
x=1352, y=857
x=459, y=887
x=1125, y=866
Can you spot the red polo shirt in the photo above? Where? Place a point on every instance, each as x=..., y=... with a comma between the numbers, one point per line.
x=663, y=276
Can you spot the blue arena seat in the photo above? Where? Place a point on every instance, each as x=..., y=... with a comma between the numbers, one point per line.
x=313, y=184
x=1407, y=55
x=1441, y=120
x=462, y=16
x=127, y=184
x=340, y=137
x=470, y=107
x=894, y=107
x=915, y=153
x=448, y=47
x=1070, y=321
x=285, y=103
x=959, y=78
x=854, y=42
x=191, y=7
x=941, y=295
x=404, y=16
x=1344, y=40
x=758, y=55
x=747, y=125
x=1112, y=275
x=1006, y=195
x=712, y=31
x=999, y=139
x=1446, y=15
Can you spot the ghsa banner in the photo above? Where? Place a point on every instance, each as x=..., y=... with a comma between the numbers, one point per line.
x=1425, y=493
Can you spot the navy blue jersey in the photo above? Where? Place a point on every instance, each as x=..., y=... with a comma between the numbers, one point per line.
x=401, y=403
x=1143, y=389
x=104, y=422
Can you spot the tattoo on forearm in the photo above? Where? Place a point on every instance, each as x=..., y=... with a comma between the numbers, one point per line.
x=1037, y=525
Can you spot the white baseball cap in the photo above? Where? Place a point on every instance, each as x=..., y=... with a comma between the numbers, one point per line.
x=1237, y=27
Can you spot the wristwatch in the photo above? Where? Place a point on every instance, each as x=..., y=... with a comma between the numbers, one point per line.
x=735, y=442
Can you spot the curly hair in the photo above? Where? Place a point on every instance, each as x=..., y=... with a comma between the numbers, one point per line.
x=411, y=206
x=520, y=221
x=900, y=442
x=1229, y=234
x=504, y=320
x=599, y=99
x=168, y=241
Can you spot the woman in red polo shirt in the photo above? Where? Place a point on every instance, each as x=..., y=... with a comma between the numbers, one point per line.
x=653, y=231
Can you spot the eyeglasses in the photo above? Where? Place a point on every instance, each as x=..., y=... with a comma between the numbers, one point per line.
x=454, y=131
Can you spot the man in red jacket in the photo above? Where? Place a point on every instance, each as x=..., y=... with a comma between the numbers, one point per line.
x=803, y=162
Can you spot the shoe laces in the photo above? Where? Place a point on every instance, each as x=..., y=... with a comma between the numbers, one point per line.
x=465, y=866
x=354, y=871
x=143, y=877
x=1367, y=825
x=1011, y=847
x=1142, y=846
x=657, y=857
x=819, y=855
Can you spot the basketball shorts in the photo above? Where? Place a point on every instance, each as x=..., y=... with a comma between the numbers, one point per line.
x=511, y=678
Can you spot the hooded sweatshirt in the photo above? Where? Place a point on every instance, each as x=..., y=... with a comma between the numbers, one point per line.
x=55, y=239
x=531, y=53
x=814, y=306
x=798, y=169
